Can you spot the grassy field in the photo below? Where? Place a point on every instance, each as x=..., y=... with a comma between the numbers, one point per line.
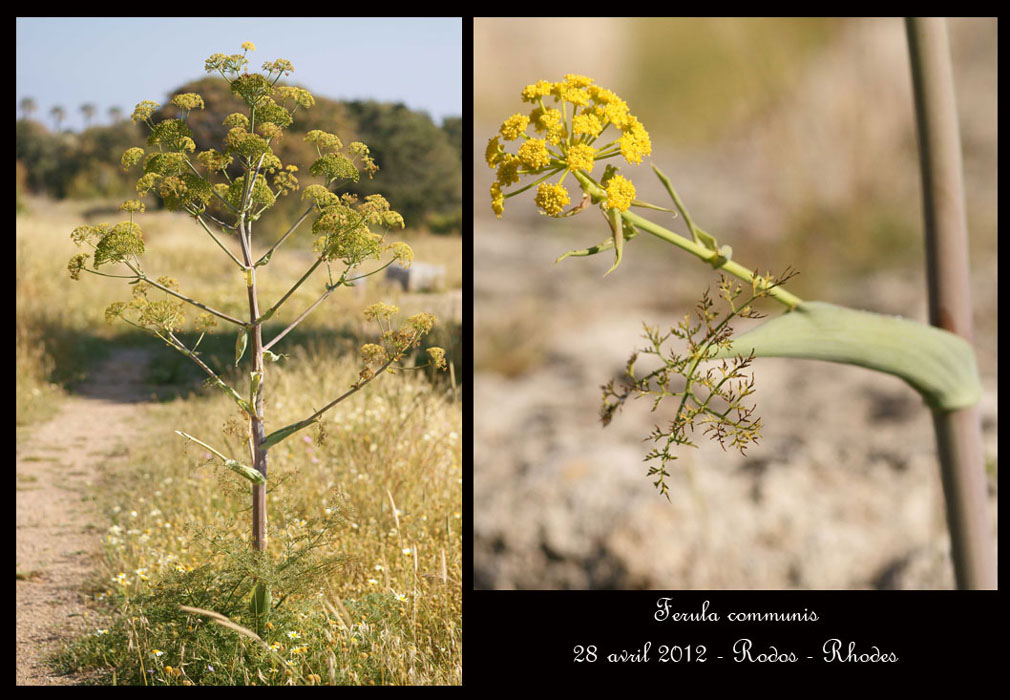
x=365, y=514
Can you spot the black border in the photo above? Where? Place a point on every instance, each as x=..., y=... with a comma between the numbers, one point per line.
x=516, y=636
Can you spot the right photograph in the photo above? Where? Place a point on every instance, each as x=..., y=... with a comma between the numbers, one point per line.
x=735, y=309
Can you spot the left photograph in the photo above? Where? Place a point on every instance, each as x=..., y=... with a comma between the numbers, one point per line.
x=240, y=364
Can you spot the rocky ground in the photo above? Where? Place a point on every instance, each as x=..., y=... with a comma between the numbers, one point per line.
x=843, y=491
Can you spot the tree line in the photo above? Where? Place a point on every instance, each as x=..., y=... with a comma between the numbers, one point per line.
x=420, y=160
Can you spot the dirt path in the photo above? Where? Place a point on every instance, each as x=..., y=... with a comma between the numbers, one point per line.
x=58, y=527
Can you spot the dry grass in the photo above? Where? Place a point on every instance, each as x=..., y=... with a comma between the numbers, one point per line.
x=372, y=497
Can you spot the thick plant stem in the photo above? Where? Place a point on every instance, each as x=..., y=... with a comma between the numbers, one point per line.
x=958, y=433
x=259, y=491
x=959, y=446
x=260, y=455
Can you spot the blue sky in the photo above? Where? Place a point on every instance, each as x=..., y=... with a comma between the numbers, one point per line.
x=122, y=61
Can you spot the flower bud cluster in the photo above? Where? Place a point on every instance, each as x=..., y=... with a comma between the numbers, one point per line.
x=566, y=140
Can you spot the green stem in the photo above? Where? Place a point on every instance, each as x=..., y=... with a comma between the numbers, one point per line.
x=291, y=326
x=277, y=305
x=105, y=274
x=535, y=182
x=308, y=273
x=220, y=245
x=266, y=256
x=358, y=385
x=676, y=200
x=710, y=256
x=173, y=342
x=197, y=304
x=369, y=274
x=201, y=443
x=329, y=290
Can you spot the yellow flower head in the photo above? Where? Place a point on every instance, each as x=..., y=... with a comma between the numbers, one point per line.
x=188, y=101
x=533, y=154
x=497, y=199
x=437, y=356
x=508, y=169
x=573, y=89
x=635, y=143
x=609, y=107
x=379, y=310
x=492, y=154
x=577, y=80
x=549, y=121
x=132, y=156
x=572, y=137
x=552, y=198
x=587, y=124
x=620, y=193
x=533, y=93
x=513, y=126
x=581, y=157
x=144, y=110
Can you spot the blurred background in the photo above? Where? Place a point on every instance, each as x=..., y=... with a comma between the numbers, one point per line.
x=79, y=79
x=792, y=140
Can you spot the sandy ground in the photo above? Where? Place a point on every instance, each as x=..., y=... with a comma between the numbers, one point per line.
x=58, y=531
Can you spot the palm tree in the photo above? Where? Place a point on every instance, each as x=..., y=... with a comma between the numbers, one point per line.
x=28, y=107
x=115, y=114
x=88, y=109
x=58, y=114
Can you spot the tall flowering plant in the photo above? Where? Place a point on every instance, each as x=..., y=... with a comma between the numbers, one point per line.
x=570, y=119
x=346, y=233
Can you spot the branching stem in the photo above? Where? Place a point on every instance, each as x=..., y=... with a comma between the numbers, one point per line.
x=710, y=256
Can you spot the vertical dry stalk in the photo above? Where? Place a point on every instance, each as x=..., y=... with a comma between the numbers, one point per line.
x=259, y=491
x=958, y=433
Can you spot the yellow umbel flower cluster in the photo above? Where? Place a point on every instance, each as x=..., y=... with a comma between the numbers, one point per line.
x=568, y=134
x=620, y=193
x=552, y=198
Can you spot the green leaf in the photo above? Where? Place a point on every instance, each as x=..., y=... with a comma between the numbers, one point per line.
x=706, y=239
x=241, y=342
x=260, y=602
x=234, y=395
x=646, y=205
x=609, y=243
x=240, y=469
x=255, y=379
x=629, y=233
x=265, y=259
x=617, y=229
x=245, y=472
x=273, y=357
x=938, y=364
x=608, y=172
x=285, y=432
